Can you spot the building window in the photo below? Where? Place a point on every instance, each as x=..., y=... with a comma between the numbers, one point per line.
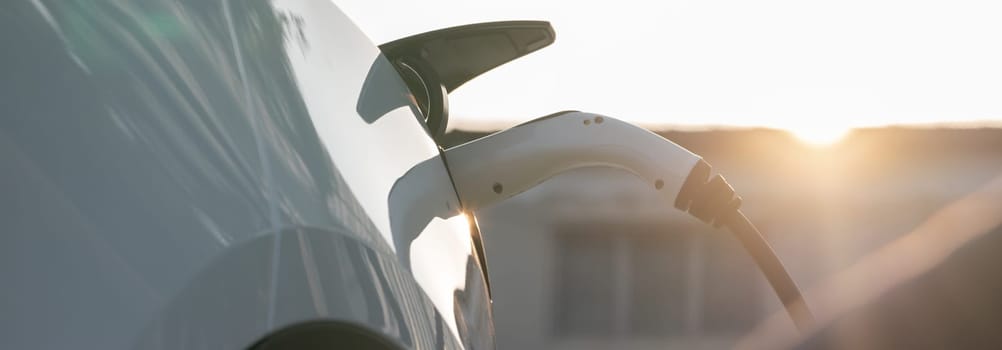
x=650, y=280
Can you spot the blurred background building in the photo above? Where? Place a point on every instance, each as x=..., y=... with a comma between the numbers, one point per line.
x=594, y=259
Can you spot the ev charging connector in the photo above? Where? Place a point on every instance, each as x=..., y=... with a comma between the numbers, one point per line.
x=499, y=166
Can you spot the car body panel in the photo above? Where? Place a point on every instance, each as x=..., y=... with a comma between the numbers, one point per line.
x=198, y=174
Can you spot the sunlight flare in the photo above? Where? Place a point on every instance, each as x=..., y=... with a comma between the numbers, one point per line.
x=819, y=135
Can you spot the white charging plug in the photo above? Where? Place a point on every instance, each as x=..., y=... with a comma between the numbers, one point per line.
x=510, y=162
x=499, y=166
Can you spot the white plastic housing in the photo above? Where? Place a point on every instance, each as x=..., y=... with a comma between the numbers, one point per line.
x=510, y=162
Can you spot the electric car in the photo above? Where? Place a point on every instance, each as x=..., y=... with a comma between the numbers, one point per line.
x=218, y=174
x=212, y=174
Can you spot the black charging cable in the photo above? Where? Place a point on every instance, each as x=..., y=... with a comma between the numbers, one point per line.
x=713, y=201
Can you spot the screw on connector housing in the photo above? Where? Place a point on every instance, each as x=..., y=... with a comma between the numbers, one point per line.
x=498, y=188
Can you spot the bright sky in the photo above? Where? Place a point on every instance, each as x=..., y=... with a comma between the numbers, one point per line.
x=804, y=66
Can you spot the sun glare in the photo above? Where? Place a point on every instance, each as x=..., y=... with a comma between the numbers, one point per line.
x=819, y=135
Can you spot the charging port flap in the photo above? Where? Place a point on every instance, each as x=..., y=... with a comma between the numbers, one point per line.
x=459, y=54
